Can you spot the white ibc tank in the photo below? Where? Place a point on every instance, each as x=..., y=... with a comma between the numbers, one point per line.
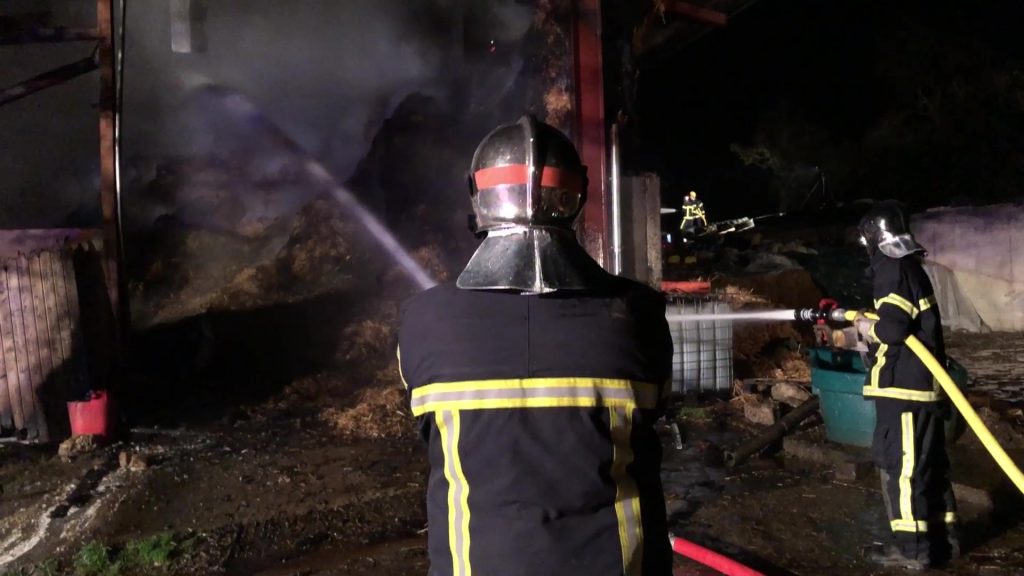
x=702, y=351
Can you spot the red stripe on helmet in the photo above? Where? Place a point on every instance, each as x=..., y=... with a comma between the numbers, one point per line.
x=520, y=174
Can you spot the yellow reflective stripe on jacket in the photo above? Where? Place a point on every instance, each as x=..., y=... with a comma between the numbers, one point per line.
x=534, y=393
x=905, y=305
x=876, y=370
x=899, y=302
x=926, y=303
x=449, y=425
x=873, y=390
x=398, y=352
x=908, y=394
x=627, y=496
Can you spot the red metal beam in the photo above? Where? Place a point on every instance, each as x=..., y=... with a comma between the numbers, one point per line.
x=47, y=80
x=48, y=35
x=697, y=13
x=590, y=125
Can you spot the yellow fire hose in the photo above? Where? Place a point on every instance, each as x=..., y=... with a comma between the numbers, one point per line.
x=961, y=403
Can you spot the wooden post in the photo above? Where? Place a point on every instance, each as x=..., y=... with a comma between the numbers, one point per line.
x=109, y=200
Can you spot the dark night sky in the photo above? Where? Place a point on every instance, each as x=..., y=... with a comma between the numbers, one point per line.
x=821, y=84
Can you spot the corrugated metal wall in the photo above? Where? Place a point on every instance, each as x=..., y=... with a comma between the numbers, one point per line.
x=702, y=351
x=40, y=335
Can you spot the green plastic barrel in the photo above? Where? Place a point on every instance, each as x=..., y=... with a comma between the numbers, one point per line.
x=837, y=377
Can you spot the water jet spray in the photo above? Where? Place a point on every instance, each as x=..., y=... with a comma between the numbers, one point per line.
x=240, y=108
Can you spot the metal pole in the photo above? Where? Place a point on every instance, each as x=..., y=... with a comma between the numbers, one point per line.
x=125, y=312
x=616, y=202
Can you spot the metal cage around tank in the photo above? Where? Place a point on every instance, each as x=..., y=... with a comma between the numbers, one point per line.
x=702, y=357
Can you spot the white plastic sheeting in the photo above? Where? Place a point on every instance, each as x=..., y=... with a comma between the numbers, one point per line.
x=957, y=310
x=983, y=247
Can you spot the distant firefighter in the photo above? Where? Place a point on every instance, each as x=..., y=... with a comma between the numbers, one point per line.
x=536, y=380
x=694, y=220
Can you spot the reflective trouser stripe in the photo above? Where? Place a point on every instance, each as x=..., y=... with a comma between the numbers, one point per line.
x=906, y=522
x=908, y=526
x=950, y=518
x=534, y=393
x=449, y=426
x=627, y=501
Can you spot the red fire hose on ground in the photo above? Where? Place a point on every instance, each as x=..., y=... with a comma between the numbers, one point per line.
x=710, y=558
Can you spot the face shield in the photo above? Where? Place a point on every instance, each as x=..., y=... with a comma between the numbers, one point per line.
x=897, y=245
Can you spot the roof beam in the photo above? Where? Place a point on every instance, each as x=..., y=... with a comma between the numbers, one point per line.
x=48, y=80
x=695, y=12
x=39, y=35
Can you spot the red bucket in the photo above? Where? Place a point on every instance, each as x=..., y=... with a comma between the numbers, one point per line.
x=91, y=416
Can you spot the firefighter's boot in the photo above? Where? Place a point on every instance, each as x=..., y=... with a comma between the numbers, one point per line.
x=892, y=557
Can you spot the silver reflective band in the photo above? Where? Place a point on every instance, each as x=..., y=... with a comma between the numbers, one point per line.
x=534, y=393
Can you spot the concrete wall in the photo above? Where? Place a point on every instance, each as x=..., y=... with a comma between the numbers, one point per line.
x=641, y=229
x=984, y=247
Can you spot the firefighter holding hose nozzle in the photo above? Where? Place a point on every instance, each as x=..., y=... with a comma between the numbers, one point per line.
x=536, y=380
x=909, y=442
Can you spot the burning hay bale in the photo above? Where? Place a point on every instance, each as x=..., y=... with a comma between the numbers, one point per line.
x=770, y=350
x=320, y=246
x=190, y=272
x=376, y=413
x=550, y=25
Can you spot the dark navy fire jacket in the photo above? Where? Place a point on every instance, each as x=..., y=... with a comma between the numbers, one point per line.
x=538, y=412
x=905, y=301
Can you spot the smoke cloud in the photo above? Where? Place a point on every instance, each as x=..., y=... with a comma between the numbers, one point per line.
x=328, y=73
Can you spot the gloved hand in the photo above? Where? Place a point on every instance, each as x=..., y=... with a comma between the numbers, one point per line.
x=864, y=325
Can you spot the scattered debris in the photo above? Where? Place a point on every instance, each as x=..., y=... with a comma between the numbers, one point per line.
x=768, y=262
x=793, y=247
x=379, y=412
x=977, y=496
x=790, y=393
x=845, y=466
x=79, y=445
x=773, y=434
x=133, y=461
x=760, y=411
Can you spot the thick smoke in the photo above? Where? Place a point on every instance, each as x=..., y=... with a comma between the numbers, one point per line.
x=48, y=141
x=329, y=73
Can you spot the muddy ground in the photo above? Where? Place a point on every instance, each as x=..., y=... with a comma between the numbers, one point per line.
x=323, y=474
x=276, y=492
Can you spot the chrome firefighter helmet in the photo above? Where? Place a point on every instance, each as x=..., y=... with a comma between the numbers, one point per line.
x=528, y=186
x=884, y=229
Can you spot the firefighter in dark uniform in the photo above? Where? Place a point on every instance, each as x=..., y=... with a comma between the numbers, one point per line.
x=536, y=380
x=694, y=220
x=909, y=443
